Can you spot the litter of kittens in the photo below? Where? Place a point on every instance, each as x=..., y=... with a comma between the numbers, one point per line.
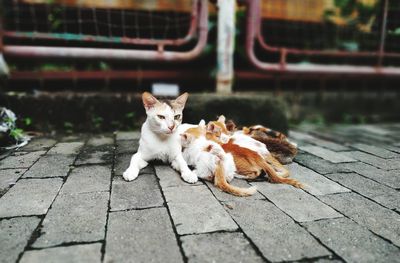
x=10, y=136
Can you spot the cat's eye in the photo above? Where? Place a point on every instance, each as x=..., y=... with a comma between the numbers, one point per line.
x=177, y=117
x=161, y=117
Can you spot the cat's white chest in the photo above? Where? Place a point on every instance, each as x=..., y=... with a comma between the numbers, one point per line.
x=164, y=149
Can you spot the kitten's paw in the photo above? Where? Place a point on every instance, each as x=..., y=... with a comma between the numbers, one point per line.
x=130, y=174
x=189, y=177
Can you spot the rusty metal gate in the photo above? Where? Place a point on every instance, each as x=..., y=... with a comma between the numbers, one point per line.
x=120, y=30
x=324, y=36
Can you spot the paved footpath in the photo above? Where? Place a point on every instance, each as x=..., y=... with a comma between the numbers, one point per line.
x=64, y=200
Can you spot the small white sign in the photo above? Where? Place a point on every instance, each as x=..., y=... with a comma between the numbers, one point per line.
x=165, y=90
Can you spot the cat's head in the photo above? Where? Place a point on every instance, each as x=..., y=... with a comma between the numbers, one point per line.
x=165, y=116
x=218, y=131
x=192, y=134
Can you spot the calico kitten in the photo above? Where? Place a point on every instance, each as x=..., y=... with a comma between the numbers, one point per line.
x=210, y=160
x=251, y=157
x=159, y=137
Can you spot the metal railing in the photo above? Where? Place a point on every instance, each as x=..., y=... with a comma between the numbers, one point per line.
x=109, y=33
x=288, y=41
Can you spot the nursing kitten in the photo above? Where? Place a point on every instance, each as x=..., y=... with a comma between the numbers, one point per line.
x=251, y=157
x=159, y=137
x=210, y=161
x=277, y=143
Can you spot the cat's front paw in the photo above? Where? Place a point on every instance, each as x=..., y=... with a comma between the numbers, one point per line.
x=130, y=174
x=189, y=177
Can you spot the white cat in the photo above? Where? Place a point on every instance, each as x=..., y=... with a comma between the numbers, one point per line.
x=159, y=137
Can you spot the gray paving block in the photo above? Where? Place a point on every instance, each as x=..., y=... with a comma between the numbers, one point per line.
x=275, y=234
x=219, y=247
x=20, y=160
x=75, y=218
x=331, y=156
x=85, y=179
x=141, y=236
x=66, y=148
x=140, y=193
x=392, y=148
x=14, y=236
x=376, y=218
x=353, y=242
x=29, y=197
x=222, y=196
x=317, y=141
x=8, y=178
x=387, y=178
x=386, y=164
x=170, y=178
x=51, y=166
x=127, y=135
x=38, y=144
x=381, y=194
x=375, y=150
x=127, y=147
x=195, y=210
x=314, y=183
x=318, y=164
x=98, y=150
x=298, y=204
x=122, y=163
x=71, y=254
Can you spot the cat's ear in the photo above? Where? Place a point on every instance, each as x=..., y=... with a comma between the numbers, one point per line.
x=181, y=100
x=221, y=119
x=210, y=127
x=202, y=123
x=149, y=101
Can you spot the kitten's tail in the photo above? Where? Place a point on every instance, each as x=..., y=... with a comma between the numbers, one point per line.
x=221, y=183
x=274, y=177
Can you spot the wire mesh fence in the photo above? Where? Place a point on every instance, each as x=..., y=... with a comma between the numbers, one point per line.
x=326, y=32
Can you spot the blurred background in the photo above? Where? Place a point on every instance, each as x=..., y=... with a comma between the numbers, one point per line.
x=80, y=65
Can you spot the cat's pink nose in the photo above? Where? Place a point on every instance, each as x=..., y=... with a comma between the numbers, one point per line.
x=171, y=127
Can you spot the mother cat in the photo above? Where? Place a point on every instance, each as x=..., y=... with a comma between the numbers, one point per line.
x=159, y=137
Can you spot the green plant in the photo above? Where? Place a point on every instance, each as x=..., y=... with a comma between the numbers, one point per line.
x=68, y=126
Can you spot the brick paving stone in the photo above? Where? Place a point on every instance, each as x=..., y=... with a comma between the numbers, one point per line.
x=141, y=236
x=381, y=194
x=298, y=204
x=38, y=144
x=75, y=218
x=392, y=148
x=353, y=242
x=85, y=179
x=387, y=178
x=195, y=210
x=122, y=163
x=374, y=150
x=314, y=183
x=66, y=148
x=170, y=178
x=77, y=253
x=51, y=166
x=319, y=165
x=386, y=164
x=29, y=197
x=8, y=178
x=376, y=218
x=140, y=193
x=317, y=141
x=132, y=135
x=127, y=147
x=275, y=234
x=98, y=150
x=331, y=156
x=219, y=247
x=14, y=236
x=222, y=196
x=20, y=160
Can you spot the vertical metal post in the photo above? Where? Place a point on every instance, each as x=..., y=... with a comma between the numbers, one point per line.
x=225, y=45
x=3, y=65
x=383, y=32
